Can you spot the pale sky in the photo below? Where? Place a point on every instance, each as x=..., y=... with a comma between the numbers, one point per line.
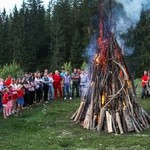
x=9, y=4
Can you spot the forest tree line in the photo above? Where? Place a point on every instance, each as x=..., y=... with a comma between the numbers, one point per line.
x=37, y=37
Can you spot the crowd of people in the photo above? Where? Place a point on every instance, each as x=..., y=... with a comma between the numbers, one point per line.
x=34, y=88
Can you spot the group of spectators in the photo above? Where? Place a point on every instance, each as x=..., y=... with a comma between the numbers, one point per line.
x=145, y=85
x=40, y=87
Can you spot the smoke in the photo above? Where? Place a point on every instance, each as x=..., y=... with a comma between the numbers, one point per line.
x=126, y=14
x=90, y=49
x=132, y=9
x=128, y=17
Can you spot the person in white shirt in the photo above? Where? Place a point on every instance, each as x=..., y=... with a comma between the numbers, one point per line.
x=38, y=87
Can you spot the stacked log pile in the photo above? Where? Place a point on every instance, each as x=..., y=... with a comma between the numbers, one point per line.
x=110, y=103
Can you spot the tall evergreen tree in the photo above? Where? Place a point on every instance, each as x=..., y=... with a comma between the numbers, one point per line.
x=61, y=33
x=5, y=50
x=139, y=39
x=35, y=14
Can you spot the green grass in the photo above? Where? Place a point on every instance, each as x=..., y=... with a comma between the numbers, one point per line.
x=49, y=127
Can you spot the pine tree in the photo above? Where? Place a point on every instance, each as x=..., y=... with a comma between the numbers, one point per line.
x=139, y=39
x=76, y=50
x=5, y=51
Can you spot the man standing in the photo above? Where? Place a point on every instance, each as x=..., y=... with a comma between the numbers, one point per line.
x=67, y=85
x=75, y=82
x=144, y=84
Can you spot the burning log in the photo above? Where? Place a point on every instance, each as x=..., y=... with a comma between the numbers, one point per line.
x=110, y=103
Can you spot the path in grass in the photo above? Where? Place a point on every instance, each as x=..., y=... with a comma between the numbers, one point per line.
x=48, y=127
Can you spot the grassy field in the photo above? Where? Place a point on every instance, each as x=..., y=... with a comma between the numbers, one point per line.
x=48, y=127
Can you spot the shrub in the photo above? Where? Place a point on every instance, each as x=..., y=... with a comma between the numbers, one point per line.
x=67, y=66
x=84, y=65
x=14, y=69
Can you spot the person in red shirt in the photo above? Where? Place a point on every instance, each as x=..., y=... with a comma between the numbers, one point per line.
x=57, y=84
x=145, y=79
x=8, y=80
x=5, y=100
x=20, y=100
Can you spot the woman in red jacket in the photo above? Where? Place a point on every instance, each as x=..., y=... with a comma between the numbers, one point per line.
x=57, y=84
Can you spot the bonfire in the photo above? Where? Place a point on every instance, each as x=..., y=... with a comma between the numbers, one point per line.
x=110, y=103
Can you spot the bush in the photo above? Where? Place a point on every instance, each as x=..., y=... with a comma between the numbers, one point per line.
x=84, y=65
x=14, y=69
x=67, y=66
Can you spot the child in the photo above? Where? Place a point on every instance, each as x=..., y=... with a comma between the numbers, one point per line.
x=20, y=100
x=5, y=100
x=9, y=103
x=14, y=95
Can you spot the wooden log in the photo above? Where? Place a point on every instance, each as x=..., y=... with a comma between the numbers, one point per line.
x=82, y=104
x=73, y=116
x=146, y=115
x=145, y=119
x=91, y=106
x=137, y=126
x=86, y=123
x=114, y=96
x=128, y=120
x=124, y=124
x=113, y=122
x=140, y=117
x=119, y=122
x=136, y=129
x=109, y=122
x=101, y=120
x=94, y=121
